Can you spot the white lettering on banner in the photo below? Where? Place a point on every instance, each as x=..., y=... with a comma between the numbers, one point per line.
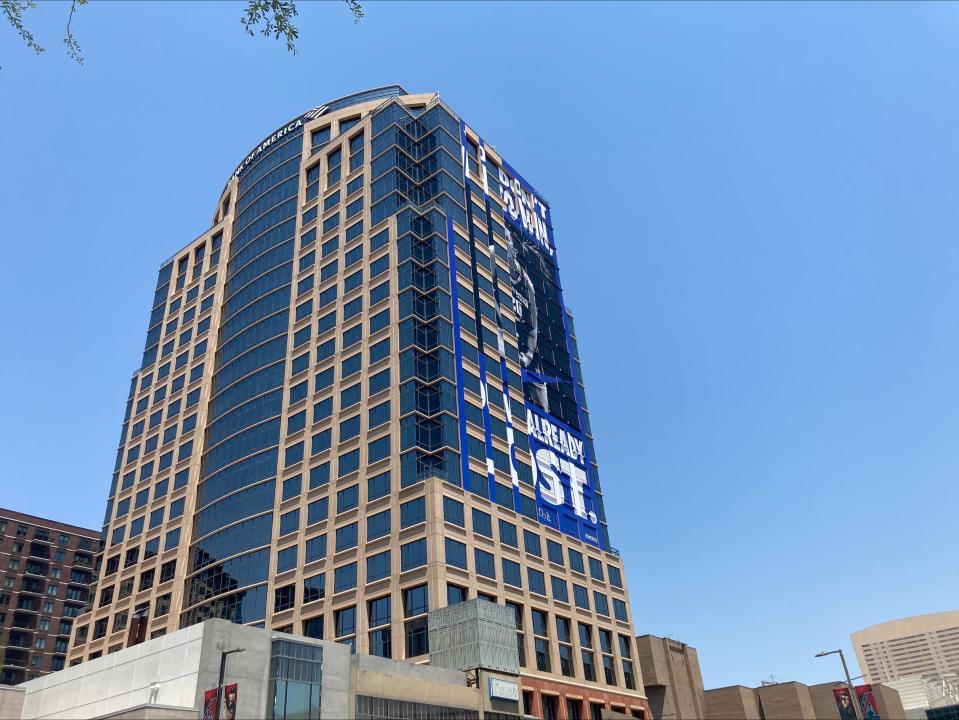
x=279, y=134
x=550, y=466
x=551, y=434
x=524, y=206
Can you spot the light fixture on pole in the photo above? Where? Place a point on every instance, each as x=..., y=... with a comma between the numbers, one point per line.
x=219, y=685
x=853, y=697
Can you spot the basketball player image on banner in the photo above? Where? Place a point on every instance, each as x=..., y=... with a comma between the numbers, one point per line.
x=519, y=254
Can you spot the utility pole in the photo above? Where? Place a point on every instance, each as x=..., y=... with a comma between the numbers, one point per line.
x=854, y=698
x=219, y=685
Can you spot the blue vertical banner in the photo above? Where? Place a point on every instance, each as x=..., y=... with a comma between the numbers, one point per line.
x=562, y=475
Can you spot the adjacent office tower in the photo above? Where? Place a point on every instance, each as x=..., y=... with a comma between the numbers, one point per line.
x=48, y=569
x=361, y=399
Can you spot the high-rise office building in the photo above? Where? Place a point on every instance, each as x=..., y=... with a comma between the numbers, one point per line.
x=360, y=399
x=47, y=572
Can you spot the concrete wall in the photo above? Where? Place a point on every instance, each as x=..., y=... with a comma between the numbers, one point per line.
x=736, y=702
x=672, y=678
x=378, y=677
x=785, y=701
x=122, y=680
x=11, y=701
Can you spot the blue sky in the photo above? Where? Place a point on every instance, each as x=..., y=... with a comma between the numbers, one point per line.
x=757, y=212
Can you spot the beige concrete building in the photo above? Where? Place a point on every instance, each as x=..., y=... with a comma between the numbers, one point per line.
x=360, y=399
x=672, y=678
x=924, y=645
x=791, y=701
x=277, y=675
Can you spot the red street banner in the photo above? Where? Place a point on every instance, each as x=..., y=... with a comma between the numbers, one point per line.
x=867, y=703
x=209, y=704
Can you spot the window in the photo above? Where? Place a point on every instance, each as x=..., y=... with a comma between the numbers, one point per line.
x=453, y=512
x=348, y=498
x=416, y=602
x=314, y=588
x=378, y=414
x=615, y=577
x=348, y=463
x=378, y=449
x=619, y=610
x=576, y=561
x=511, y=573
x=378, y=525
x=284, y=598
x=596, y=569
x=484, y=563
x=412, y=512
x=344, y=578
x=349, y=428
x=344, y=622
x=286, y=559
x=531, y=543
x=316, y=548
x=317, y=510
x=350, y=365
x=482, y=523
x=378, y=566
x=378, y=486
x=555, y=552
x=537, y=581
x=507, y=533
x=380, y=617
x=172, y=539
x=455, y=594
x=601, y=603
x=413, y=554
x=581, y=596
x=167, y=571
x=346, y=537
x=379, y=381
x=560, y=589
x=292, y=486
x=455, y=553
x=319, y=137
x=289, y=522
x=319, y=475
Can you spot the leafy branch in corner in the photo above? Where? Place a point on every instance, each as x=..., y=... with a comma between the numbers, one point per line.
x=276, y=17
x=13, y=11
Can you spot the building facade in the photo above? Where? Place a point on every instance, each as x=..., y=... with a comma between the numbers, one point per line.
x=360, y=399
x=48, y=569
x=274, y=675
x=923, y=645
x=797, y=701
x=671, y=677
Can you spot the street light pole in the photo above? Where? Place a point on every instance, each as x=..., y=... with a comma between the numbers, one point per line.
x=219, y=685
x=853, y=697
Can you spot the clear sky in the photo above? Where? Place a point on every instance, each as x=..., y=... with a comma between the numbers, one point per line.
x=757, y=213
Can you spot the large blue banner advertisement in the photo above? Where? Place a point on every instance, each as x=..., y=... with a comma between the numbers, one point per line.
x=565, y=497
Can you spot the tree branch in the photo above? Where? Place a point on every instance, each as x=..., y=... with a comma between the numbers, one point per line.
x=73, y=47
x=13, y=11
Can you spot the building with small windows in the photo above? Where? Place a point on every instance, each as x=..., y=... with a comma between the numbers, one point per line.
x=48, y=568
x=360, y=399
